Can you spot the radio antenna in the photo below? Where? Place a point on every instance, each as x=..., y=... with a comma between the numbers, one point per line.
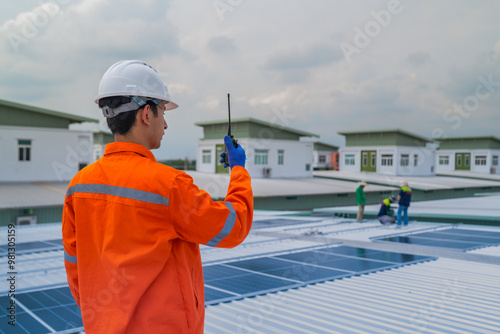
x=229, y=114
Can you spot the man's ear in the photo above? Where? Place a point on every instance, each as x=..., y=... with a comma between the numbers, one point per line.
x=144, y=114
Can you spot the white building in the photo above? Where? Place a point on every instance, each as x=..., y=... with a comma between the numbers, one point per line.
x=37, y=145
x=325, y=156
x=474, y=154
x=101, y=139
x=391, y=152
x=272, y=150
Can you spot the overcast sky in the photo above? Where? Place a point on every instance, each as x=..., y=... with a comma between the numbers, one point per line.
x=321, y=66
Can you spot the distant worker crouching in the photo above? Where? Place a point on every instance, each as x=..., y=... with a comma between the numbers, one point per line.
x=132, y=226
x=386, y=213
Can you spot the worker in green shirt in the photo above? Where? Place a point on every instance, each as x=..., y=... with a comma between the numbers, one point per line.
x=360, y=200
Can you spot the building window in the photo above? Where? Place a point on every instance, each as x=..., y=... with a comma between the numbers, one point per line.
x=24, y=149
x=308, y=167
x=494, y=160
x=386, y=160
x=349, y=160
x=480, y=160
x=281, y=157
x=444, y=160
x=373, y=159
x=365, y=159
x=459, y=160
x=415, y=160
x=405, y=160
x=322, y=158
x=206, y=156
x=261, y=157
x=466, y=160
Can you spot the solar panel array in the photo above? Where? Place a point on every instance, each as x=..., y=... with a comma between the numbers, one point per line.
x=54, y=310
x=46, y=311
x=455, y=238
x=278, y=222
x=246, y=278
x=34, y=246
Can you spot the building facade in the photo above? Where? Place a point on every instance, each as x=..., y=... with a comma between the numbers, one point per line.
x=272, y=151
x=101, y=139
x=326, y=156
x=474, y=154
x=37, y=145
x=391, y=152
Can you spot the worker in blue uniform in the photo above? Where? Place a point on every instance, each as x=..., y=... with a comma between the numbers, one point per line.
x=404, y=199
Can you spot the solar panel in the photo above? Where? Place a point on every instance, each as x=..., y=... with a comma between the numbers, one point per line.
x=394, y=257
x=221, y=271
x=358, y=266
x=253, y=284
x=277, y=222
x=347, y=250
x=415, y=239
x=487, y=234
x=54, y=310
x=212, y=295
x=308, y=274
x=454, y=238
x=311, y=257
x=34, y=246
x=46, y=311
x=260, y=264
x=491, y=237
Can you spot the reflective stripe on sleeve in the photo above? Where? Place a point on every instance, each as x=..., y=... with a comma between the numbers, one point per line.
x=125, y=192
x=227, y=228
x=69, y=258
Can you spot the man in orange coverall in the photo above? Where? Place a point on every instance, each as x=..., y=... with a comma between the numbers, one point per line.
x=132, y=226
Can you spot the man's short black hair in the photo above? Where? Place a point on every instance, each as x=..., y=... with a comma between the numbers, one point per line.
x=123, y=122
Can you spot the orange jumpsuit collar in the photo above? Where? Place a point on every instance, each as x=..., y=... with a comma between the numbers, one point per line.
x=124, y=147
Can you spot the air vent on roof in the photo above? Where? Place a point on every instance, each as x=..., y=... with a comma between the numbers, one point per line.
x=26, y=220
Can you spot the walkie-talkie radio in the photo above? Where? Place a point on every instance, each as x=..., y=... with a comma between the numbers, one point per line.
x=233, y=140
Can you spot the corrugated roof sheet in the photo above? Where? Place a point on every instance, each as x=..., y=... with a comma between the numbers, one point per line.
x=453, y=294
x=442, y=296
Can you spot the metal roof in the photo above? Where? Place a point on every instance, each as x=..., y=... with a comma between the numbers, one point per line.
x=456, y=293
x=216, y=185
x=31, y=194
x=442, y=296
x=480, y=206
x=415, y=182
x=39, y=194
x=395, y=130
x=275, y=126
x=72, y=118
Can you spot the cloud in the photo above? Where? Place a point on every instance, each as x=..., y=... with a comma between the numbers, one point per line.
x=222, y=45
x=418, y=59
x=304, y=57
x=275, y=60
x=496, y=51
x=211, y=103
x=295, y=63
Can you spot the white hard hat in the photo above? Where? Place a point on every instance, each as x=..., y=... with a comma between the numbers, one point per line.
x=133, y=78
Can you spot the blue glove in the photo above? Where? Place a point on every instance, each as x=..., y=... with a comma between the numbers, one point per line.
x=236, y=156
